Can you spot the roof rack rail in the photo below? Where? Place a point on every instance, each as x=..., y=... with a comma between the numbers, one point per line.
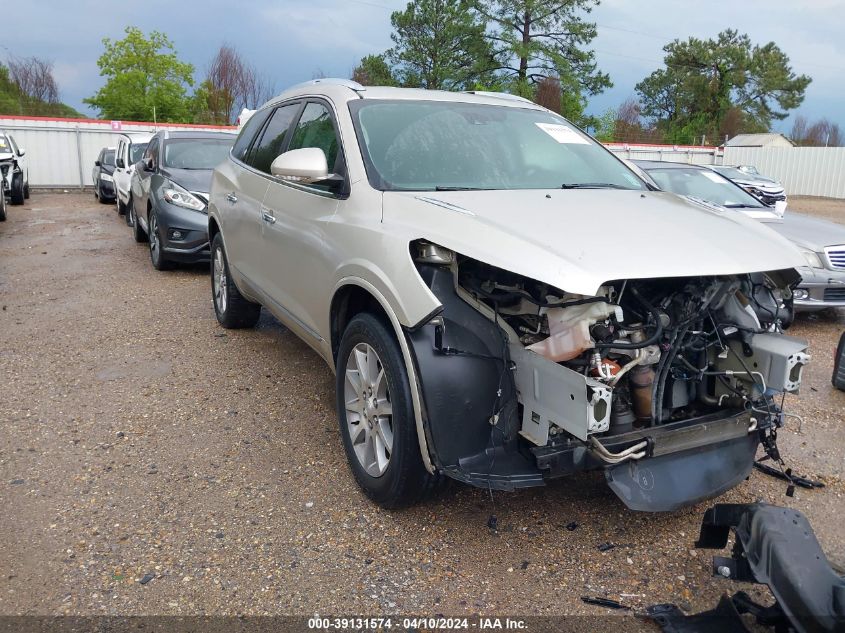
x=500, y=95
x=353, y=85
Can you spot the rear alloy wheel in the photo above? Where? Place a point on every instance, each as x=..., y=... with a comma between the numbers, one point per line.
x=233, y=311
x=157, y=256
x=376, y=416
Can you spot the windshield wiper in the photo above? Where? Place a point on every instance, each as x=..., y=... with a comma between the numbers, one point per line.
x=447, y=188
x=744, y=206
x=593, y=185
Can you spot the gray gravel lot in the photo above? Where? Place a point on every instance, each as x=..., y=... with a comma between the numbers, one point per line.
x=139, y=440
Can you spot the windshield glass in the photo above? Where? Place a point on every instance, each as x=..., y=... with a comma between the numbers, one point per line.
x=108, y=158
x=5, y=148
x=443, y=145
x=136, y=151
x=732, y=172
x=196, y=153
x=705, y=185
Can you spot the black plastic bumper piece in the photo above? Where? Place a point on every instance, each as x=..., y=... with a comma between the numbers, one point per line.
x=668, y=482
x=777, y=547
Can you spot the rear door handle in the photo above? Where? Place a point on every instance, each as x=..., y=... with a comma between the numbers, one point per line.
x=267, y=216
x=231, y=197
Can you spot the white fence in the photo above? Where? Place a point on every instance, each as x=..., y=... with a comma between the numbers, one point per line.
x=692, y=154
x=61, y=152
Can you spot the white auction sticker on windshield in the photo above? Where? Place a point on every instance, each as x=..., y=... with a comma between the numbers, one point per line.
x=562, y=133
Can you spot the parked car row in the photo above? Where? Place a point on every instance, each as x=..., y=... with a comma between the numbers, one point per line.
x=163, y=194
x=503, y=301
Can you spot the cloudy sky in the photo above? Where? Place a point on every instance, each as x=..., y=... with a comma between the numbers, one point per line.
x=291, y=40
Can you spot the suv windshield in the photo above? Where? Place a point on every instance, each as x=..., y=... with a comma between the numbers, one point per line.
x=196, y=153
x=136, y=151
x=705, y=185
x=732, y=172
x=445, y=145
x=5, y=147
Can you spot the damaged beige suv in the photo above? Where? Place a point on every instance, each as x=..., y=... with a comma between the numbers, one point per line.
x=503, y=301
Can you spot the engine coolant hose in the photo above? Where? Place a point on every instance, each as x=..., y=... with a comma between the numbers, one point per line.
x=654, y=338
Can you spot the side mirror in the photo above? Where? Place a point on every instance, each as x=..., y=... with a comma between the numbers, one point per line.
x=96, y=163
x=306, y=166
x=119, y=162
x=148, y=164
x=21, y=151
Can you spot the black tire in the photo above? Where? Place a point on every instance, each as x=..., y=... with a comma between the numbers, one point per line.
x=17, y=189
x=26, y=191
x=101, y=198
x=2, y=204
x=233, y=311
x=121, y=208
x=157, y=256
x=405, y=481
x=131, y=220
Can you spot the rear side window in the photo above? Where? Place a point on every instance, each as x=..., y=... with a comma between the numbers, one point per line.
x=315, y=129
x=272, y=141
x=248, y=133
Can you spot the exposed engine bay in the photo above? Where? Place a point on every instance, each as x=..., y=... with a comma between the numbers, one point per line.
x=646, y=368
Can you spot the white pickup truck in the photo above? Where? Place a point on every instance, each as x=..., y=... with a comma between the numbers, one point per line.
x=130, y=148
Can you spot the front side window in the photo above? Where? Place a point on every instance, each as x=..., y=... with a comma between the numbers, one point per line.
x=265, y=151
x=196, y=153
x=315, y=129
x=108, y=158
x=442, y=145
x=151, y=152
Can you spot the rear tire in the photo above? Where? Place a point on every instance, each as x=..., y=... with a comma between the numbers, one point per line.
x=26, y=190
x=2, y=203
x=132, y=220
x=233, y=311
x=17, y=189
x=374, y=409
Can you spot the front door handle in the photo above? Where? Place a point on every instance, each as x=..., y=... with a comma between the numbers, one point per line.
x=267, y=216
x=231, y=197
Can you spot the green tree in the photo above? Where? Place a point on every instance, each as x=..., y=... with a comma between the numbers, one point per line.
x=535, y=39
x=373, y=70
x=145, y=79
x=21, y=100
x=440, y=44
x=723, y=85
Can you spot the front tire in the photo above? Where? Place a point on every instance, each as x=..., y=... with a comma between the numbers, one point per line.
x=17, y=189
x=157, y=256
x=26, y=190
x=376, y=416
x=233, y=311
x=2, y=203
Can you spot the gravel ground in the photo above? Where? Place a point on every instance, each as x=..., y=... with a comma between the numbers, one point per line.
x=153, y=463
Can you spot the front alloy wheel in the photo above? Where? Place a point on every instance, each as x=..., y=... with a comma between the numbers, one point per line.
x=156, y=255
x=219, y=281
x=369, y=414
x=376, y=415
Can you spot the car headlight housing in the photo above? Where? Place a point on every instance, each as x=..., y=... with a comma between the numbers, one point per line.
x=813, y=259
x=182, y=198
x=106, y=177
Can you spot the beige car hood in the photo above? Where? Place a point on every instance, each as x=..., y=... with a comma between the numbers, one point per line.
x=577, y=240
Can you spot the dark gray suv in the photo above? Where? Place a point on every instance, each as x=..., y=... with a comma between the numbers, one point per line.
x=169, y=198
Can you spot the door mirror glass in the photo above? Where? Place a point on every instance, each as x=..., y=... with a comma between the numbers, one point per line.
x=96, y=163
x=307, y=165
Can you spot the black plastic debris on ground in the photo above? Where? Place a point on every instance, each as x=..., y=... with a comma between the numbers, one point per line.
x=571, y=527
x=147, y=578
x=493, y=522
x=604, y=547
x=604, y=602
